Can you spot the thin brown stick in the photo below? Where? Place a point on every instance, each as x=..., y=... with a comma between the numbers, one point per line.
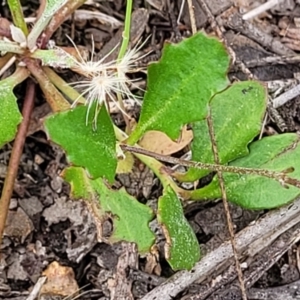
x=16, y=156
x=192, y=16
x=281, y=177
x=226, y=207
x=218, y=29
x=59, y=18
x=211, y=19
x=251, y=241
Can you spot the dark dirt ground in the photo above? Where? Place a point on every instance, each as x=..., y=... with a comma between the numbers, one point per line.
x=46, y=231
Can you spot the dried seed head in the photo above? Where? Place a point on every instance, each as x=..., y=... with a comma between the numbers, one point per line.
x=106, y=80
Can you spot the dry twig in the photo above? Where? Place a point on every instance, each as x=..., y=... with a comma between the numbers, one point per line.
x=249, y=241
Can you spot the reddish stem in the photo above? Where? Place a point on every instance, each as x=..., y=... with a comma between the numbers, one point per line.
x=59, y=18
x=55, y=99
x=15, y=157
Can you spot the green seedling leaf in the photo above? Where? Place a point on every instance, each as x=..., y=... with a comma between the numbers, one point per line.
x=237, y=115
x=52, y=6
x=12, y=47
x=93, y=149
x=130, y=217
x=10, y=116
x=181, y=84
x=182, y=248
x=16, y=11
x=274, y=153
x=56, y=58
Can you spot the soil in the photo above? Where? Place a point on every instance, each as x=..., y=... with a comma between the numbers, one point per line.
x=47, y=234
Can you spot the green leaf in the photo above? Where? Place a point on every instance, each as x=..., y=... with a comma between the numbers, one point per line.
x=182, y=251
x=130, y=217
x=10, y=116
x=52, y=6
x=274, y=153
x=7, y=46
x=93, y=149
x=237, y=115
x=56, y=58
x=16, y=11
x=181, y=84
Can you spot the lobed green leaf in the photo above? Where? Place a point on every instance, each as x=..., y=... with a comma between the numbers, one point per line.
x=181, y=84
x=130, y=217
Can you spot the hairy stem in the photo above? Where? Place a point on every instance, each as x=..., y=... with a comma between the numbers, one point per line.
x=278, y=176
x=158, y=168
x=16, y=156
x=226, y=206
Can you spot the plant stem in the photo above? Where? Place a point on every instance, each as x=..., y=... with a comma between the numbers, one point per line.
x=158, y=168
x=16, y=11
x=51, y=9
x=59, y=18
x=226, y=205
x=19, y=76
x=205, y=193
x=63, y=86
x=126, y=32
x=135, y=135
x=124, y=46
x=4, y=59
x=55, y=99
x=16, y=156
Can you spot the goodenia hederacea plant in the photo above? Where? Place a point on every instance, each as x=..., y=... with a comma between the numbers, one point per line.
x=187, y=84
x=130, y=217
x=183, y=87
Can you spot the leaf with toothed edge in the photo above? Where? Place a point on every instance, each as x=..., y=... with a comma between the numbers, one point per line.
x=93, y=149
x=181, y=84
x=130, y=217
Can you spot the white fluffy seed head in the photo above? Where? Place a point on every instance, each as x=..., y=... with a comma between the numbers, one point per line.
x=105, y=80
